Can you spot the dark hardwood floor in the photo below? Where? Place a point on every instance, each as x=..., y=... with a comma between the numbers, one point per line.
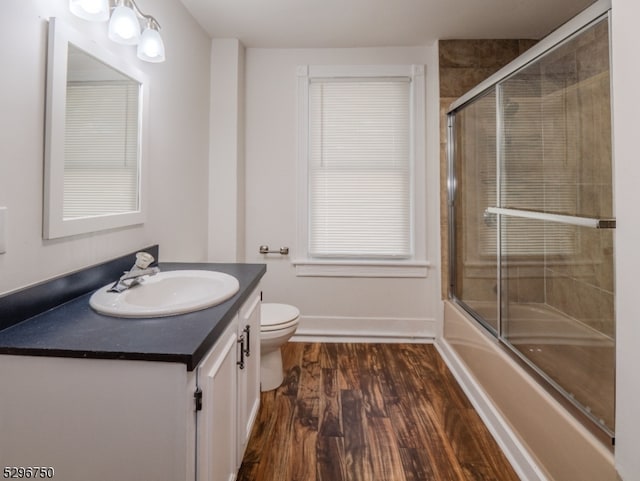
x=369, y=412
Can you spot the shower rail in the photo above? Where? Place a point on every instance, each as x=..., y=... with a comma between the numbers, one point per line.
x=563, y=219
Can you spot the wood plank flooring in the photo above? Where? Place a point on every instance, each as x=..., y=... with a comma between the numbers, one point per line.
x=369, y=412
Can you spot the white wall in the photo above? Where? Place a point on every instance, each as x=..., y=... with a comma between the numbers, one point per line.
x=626, y=105
x=358, y=305
x=177, y=150
x=226, y=153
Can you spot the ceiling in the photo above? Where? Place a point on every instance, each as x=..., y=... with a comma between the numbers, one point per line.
x=377, y=23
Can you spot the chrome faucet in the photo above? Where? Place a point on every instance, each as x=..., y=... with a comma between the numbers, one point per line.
x=135, y=275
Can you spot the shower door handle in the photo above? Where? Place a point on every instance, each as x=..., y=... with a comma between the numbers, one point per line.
x=562, y=219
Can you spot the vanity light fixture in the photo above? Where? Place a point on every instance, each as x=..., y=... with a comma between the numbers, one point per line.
x=124, y=25
x=150, y=46
x=92, y=10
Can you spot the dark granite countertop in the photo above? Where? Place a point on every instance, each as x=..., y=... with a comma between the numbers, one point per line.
x=73, y=329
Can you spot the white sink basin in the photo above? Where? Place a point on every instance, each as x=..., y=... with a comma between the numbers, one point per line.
x=167, y=294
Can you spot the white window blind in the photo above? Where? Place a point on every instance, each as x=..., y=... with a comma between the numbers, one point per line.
x=101, y=149
x=360, y=168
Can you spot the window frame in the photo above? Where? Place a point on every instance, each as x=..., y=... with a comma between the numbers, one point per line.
x=415, y=265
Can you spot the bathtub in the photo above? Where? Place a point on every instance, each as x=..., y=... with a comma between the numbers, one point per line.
x=536, y=322
x=543, y=441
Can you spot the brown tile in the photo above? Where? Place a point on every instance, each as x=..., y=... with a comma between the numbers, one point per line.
x=589, y=200
x=559, y=292
x=502, y=51
x=592, y=59
x=607, y=310
x=590, y=305
x=477, y=53
x=605, y=266
x=530, y=284
x=525, y=44
x=478, y=289
x=456, y=81
x=456, y=53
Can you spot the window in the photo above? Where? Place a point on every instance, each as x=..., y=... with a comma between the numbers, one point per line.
x=361, y=153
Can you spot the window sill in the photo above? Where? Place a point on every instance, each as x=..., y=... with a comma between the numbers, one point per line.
x=351, y=268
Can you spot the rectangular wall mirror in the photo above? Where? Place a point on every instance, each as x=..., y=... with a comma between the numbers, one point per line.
x=94, y=137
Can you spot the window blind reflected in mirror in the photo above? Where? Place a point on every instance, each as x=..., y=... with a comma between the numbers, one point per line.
x=101, y=148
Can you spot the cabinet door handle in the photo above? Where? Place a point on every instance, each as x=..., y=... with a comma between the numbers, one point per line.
x=240, y=363
x=247, y=330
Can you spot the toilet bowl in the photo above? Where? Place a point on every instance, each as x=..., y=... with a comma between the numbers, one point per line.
x=278, y=323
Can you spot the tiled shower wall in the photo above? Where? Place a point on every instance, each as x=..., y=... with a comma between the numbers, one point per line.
x=463, y=65
x=581, y=284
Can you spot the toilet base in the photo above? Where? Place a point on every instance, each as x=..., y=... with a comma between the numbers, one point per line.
x=271, y=373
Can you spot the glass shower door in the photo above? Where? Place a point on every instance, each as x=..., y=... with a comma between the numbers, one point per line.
x=475, y=279
x=531, y=199
x=555, y=204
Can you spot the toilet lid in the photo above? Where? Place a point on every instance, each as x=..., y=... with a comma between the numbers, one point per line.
x=277, y=314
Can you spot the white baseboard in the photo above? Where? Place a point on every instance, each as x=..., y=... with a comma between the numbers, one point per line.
x=365, y=329
x=520, y=459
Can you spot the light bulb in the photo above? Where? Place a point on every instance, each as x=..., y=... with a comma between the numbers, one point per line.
x=151, y=47
x=92, y=10
x=123, y=26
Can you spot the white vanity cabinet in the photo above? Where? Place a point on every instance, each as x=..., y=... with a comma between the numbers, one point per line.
x=132, y=420
x=249, y=376
x=229, y=381
x=217, y=418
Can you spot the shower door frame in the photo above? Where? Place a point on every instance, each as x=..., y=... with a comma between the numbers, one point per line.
x=590, y=16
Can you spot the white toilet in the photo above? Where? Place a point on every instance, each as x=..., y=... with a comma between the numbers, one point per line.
x=278, y=323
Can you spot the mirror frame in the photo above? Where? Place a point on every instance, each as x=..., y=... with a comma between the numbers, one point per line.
x=54, y=224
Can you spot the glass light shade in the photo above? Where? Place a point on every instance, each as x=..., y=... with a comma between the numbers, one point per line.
x=124, y=27
x=151, y=47
x=92, y=10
